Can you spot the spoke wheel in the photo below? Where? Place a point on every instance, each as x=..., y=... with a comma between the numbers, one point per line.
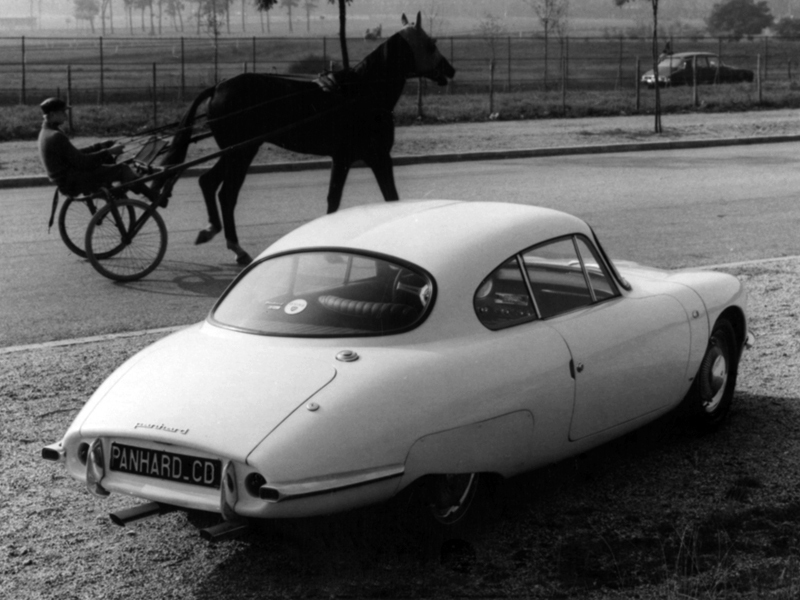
x=126, y=244
x=74, y=218
x=451, y=496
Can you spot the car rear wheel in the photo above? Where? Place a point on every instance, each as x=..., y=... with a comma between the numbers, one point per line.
x=712, y=391
x=451, y=496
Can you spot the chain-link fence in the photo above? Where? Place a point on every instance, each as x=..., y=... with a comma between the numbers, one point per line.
x=98, y=70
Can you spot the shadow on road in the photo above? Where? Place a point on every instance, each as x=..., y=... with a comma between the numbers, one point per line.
x=180, y=278
x=666, y=501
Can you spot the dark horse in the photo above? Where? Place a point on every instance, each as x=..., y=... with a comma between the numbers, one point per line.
x=347, y=116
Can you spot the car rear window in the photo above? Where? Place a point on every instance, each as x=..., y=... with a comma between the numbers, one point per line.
x=327, y=294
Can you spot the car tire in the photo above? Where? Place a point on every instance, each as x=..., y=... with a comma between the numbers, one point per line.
x=711, y=394
x=438, y=508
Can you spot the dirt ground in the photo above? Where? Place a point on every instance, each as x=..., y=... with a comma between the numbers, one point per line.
x=666, y=513
x=21, y=159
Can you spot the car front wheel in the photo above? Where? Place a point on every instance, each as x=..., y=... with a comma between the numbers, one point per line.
x=712, y=391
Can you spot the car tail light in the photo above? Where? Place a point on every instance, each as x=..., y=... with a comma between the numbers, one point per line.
x=83, y=453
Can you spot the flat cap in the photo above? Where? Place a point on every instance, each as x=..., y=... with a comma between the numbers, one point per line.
x=52, y=105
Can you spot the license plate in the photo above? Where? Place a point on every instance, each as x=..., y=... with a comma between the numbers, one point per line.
x=166, y=465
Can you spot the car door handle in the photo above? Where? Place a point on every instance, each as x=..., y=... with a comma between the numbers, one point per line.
x=573, y=368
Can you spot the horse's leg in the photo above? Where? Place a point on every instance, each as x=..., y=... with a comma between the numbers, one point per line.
x=209, y=183
x=383, y=170
x=339, y=172
x=235, y=172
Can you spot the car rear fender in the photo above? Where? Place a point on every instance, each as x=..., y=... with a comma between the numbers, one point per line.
x=500, y=445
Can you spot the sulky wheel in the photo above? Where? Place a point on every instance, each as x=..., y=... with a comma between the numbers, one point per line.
x=712, y=390
x=74, y=218
x=126, y=240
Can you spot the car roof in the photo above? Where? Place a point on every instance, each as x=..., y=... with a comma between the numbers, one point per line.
x=685, y=54
x=439, y=235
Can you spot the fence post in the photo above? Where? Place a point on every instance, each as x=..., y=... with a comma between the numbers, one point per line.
x=491, y=87
x=766, y=56
x=254, y=53
x=564, y=73
x=155, y=98
x=619, y=63
x=758, y=77
x=102, y=80
x=183, y=71
x=789, y=69
x=420, y=113
x=695, y=97
x=509, y=63
x=22, y=88
x=564, y=84
x=324, y=52
x=451, y=82
x=69, y=95
x=638, y=85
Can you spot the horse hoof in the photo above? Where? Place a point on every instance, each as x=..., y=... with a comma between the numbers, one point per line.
x=205, y=235
x=243, y=259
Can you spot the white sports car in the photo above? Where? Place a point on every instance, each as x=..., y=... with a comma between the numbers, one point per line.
x=424, y=343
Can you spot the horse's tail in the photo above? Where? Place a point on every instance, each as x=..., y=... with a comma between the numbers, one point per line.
x=179, y=146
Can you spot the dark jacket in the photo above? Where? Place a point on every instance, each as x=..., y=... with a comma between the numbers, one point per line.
x=60, y=157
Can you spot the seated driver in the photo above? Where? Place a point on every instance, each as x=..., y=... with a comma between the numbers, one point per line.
x=81, y=171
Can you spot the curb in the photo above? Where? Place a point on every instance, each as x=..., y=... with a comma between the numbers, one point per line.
x=40, y=180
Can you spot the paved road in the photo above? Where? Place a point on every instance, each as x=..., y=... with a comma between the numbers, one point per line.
x=671, y=209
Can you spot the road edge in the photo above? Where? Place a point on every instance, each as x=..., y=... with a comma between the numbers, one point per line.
x=447, y=157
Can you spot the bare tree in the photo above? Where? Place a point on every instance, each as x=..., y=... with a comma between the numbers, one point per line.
x=87, y=10
x=433, y=13
x=265, y=5
x=552, y=15
x=289, y=4
x=490, y=29
x=656, y=53
x=309, y=6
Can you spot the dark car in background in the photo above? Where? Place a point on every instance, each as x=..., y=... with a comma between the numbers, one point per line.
x=678, y=69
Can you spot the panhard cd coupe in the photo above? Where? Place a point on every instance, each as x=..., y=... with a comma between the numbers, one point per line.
x=434, y=344
x=679, y=69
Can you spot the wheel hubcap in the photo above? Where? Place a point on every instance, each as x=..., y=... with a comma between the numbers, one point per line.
x=717, y=379
x=452, y=496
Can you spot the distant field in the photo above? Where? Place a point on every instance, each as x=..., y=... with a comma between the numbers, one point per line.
x=112, y=69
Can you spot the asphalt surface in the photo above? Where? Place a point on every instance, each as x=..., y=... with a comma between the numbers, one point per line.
x=448, y=157
x=690, y=204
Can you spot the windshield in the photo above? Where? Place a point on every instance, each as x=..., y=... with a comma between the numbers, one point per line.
x=671, y=62
x=326, y=294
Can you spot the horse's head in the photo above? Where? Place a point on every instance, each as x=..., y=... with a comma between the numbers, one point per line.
x=428, y=61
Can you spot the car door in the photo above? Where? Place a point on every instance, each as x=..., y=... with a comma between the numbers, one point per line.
x=629, y=352
x=704, y=73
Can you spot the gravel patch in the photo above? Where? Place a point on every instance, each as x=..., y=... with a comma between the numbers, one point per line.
x=665, y=513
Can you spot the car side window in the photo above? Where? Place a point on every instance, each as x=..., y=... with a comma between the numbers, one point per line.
x=713, y=61
x=502, y=299
x=557, y=277
x=599, y=279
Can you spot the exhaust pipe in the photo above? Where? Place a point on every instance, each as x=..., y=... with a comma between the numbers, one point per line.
x=143, y=511
x=227, y=530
